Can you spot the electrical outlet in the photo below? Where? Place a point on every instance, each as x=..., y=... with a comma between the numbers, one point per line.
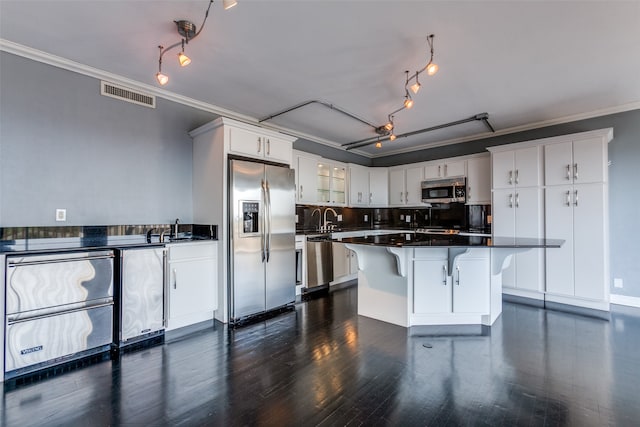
x=61, y=214
x=339, y=218
x=296, y=218
x=401, y=217
x=366, y=218
x=407, y=218
x=617, y=283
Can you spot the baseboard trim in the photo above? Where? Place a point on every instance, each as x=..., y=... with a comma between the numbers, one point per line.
x=624, y=300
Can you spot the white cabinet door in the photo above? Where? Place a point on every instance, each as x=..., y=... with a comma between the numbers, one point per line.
x=529, y=265
x=558, y=164
x=445, y=169
x=588, y=159
x=338, y=184
x=341, y=259
x=353, y=262
x=258, y=145
x=589, y=245
x=431, y=287
x=413, y=189
x=471, y=285
x=358, y=185
x=397, y=188
x=277, y=150
x=192, y=287
x=519, y=167
x=579, y=162
x=527, y=171
x=379, y=187
x=559, y=225
x=306, y=178
x=479, y=181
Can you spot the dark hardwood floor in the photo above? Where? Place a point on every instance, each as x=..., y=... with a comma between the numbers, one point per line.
x=324, y=365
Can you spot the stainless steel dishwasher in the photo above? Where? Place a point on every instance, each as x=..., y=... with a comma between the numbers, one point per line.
x=319, y=262
x=58, y=307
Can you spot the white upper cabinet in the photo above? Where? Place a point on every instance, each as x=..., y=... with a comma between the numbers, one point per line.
x=578, y=161
x=306, y=178
x=445, y=169
x=517, y=168
x=479, y=181
x=378, y=187
x=331, y=183
x=358, y=185
x=262, y=145
x=404, y=185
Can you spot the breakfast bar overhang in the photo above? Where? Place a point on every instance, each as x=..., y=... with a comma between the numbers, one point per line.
x=418, y=279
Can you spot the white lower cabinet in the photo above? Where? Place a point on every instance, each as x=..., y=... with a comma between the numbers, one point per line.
x=432, y=284
x=192, y=285
x=464, y=290
x=471, y=285
x=578, y=269
x=345, y=263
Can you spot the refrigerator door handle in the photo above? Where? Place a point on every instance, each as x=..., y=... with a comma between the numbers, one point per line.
x=268, y=221
x=264, y=216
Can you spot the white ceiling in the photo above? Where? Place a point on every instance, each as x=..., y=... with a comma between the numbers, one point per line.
x=523, y=62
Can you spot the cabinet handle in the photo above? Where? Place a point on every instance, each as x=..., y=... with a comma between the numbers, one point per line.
x=445, y=169
x=510, y=200
x=259, y=144
x=175, y=279
x=568, y=202
x=406, y=197
x=568, y=172
x=370, y=197
x=458, y=274
x=268, y=147
x=516, y=176
x=517, y=200
x=510, y=177
x=301, y=190
x=439, y=174
x=575, y=198
x=444, y=275
x=575, y=171
x=401, y=197
x=469, y=192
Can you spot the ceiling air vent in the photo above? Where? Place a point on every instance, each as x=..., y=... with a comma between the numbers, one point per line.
x=126, y=94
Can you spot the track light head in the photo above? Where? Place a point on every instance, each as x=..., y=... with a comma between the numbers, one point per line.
x=392, y=137
x=183, y=59
x=162, y=79
x=408, y=102
x=378, y=144
x=228, y=4
x=432, y=68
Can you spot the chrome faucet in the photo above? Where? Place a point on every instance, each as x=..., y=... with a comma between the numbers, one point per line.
x=326, y=223
x=319, y=217
x=175, y=232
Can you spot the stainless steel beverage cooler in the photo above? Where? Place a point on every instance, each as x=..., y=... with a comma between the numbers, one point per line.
x=58, y=307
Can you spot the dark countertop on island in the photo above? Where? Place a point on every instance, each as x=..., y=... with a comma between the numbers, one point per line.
x=418, y=240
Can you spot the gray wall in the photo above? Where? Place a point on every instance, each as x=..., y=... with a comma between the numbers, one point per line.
x=624, y=191
x=63, y=145
x=331, y=153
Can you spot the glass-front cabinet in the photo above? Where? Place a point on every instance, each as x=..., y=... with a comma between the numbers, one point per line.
x=331, y=183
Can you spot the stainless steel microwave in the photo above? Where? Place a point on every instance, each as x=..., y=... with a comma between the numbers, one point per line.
x=444, y=191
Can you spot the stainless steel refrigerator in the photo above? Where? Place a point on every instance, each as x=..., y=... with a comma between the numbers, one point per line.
x=262, y=245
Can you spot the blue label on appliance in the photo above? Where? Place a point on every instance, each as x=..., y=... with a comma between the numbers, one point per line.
x=31, y=350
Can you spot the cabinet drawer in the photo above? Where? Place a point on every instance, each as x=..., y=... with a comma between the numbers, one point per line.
x=181, y=251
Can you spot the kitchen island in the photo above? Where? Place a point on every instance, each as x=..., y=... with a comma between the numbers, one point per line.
x=412, y=279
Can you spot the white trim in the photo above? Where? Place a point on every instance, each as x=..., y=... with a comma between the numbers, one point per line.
x=606, y=133
x=625, y=300
x=523, y=293
x=579, y=302
x=67, y=64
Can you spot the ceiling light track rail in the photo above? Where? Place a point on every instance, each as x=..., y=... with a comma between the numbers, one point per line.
x=483, y=117
x=323, y=103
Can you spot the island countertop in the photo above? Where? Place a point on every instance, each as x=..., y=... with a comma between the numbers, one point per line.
x=418, y=240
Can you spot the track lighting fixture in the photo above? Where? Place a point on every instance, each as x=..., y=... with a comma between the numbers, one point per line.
x=187, y=31
x=416, y=86
x=378, y=144
x=392, y=137
x=408, y=102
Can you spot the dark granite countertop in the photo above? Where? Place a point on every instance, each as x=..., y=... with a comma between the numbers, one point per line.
x=69, y=244
x=413, y=240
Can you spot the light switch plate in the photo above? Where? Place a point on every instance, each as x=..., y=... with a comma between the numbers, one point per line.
x=61, y=214
x=617, y=283
x=339, y=218
x=407, y=218
x=366, y=218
